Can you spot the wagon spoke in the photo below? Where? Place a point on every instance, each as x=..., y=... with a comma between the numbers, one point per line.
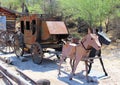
x=37, y=53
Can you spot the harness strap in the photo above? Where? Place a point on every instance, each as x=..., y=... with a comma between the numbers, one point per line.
x=84, y=46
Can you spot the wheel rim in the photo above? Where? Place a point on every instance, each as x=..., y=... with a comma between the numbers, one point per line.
x=37, y=53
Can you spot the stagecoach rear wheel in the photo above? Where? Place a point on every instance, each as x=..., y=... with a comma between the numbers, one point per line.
x=37, y=53
x=6, y=42
x=18, y=45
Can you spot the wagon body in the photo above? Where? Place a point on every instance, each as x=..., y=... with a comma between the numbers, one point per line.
x=45, y=31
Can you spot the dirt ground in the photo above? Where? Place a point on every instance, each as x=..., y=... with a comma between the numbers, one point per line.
x=49, y=69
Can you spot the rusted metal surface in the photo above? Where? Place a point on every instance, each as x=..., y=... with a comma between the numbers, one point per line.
x=42, y=30
x=45, y=32
x=28, y=37
x=35, y=27
x=77, y=52
x=56, y=27
x=53, y=28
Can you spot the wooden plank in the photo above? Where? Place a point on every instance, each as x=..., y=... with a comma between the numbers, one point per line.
x=2, y=82
x=11, y=82
x=26, y=77
x=18, y=79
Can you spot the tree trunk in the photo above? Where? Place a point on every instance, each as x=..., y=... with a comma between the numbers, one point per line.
x=107, y=25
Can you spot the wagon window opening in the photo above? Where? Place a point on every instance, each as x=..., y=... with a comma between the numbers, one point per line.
x=27, y=25
x=33, y=27
x=22, y=26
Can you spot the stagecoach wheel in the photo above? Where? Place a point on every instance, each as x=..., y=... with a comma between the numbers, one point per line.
x=6, y=42
x=37, y=53
x=2, y=41
x=18, y=45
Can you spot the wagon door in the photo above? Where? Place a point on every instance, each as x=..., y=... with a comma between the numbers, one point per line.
x=30, y=32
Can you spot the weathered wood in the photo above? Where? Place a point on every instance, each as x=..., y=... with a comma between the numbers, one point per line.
x=11, y=82
x=26, y=77
x=18, y=79
x=39, y=82
x=1, y=76
x=3, y=81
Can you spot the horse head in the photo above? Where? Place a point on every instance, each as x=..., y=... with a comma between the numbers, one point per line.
x=91, y=40
x=103, y=37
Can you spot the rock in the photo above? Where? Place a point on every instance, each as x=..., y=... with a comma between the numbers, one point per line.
x=43, y=82
x=8, y=60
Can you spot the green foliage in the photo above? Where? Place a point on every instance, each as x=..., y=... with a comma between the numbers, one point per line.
x=50, y=6
x=92, y=11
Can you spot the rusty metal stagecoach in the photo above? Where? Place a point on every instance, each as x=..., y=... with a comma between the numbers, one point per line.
x=38, y=32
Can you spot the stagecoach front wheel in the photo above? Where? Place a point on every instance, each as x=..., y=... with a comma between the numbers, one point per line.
x=37, y=53
x=18, y=45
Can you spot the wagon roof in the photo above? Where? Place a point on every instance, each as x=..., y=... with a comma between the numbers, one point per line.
x=56, y=27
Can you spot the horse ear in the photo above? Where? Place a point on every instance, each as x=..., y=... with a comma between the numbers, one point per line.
x=94, y=31
x=100, y=28
x=90, y=30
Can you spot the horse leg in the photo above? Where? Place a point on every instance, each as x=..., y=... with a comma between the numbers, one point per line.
x=90, y=66
x=103, y=66
x=72, y=64
x=61, y=61
x=86, y=67
x=75, y=63
x=92, y=54
x=101, y=61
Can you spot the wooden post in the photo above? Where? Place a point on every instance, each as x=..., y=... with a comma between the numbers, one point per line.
x=26, y=77
x=18, y=79
x=7, y=79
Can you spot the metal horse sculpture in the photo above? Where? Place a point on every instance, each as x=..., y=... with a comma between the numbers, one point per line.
x=103, y=39
x=78, y=51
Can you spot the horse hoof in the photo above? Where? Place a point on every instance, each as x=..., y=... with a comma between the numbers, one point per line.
x=70, y=78
x=88, y=72
x=59, y=74
x=106, y=74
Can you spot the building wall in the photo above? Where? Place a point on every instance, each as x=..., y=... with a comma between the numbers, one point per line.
x=10, y=18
